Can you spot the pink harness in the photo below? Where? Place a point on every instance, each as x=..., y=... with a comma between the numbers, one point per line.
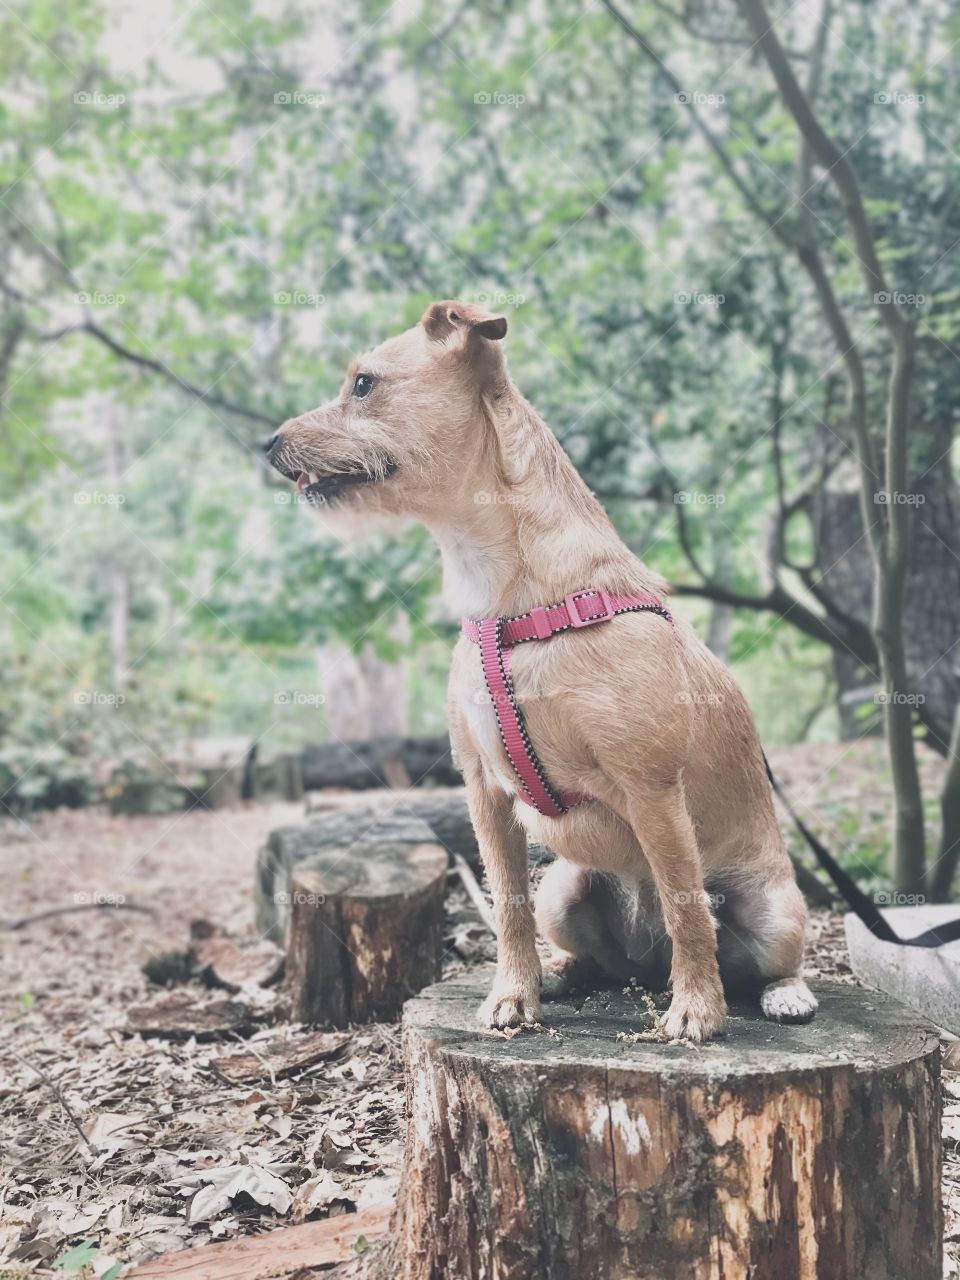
x=497, y=636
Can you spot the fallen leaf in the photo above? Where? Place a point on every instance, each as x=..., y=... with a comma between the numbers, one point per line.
x=318, y=1193
x=78, y=1257
x=224, y=1185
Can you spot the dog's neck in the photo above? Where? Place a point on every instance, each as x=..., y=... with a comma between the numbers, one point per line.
x=525, y=529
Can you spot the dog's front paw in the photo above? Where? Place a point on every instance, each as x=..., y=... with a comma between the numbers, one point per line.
x=509, y=1008
x=694, y=1017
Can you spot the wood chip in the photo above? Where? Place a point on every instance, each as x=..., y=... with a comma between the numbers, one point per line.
x=180, y=1015
x=281, y=1056
x=274, y=1253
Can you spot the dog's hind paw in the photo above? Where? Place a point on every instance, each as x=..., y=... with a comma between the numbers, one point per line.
x=562, y=973
x=790, y=1000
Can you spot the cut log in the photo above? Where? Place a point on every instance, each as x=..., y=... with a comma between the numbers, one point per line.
x=366, y=931
x=438, y=815
x=363, y=765
x=277, y=778
x=778, y=1153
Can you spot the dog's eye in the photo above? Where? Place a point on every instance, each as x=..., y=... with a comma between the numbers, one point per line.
x=363, y=385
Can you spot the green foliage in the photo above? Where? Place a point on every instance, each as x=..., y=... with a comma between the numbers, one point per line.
x=247, y=208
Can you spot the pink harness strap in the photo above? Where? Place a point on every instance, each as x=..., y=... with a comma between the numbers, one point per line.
x=496, y=636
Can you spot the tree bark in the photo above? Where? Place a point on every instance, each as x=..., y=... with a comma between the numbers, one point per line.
x=948, y=855
x=366, y=931
x=780, y=1153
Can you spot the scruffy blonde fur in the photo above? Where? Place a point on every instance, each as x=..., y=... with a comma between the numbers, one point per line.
x=635, y=712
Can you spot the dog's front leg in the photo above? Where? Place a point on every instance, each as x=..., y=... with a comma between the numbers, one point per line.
x=661, y=823
x=515, y=996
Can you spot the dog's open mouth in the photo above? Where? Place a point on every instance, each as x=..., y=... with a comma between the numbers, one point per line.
x=325, y=488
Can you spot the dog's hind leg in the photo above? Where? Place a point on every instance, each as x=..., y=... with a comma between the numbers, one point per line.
x=761, y=945
x=583, y=914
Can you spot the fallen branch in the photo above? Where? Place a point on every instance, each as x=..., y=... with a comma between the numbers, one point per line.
x=57, y=1091
x=273, y=1253
x=21, y=922
x=474, y=892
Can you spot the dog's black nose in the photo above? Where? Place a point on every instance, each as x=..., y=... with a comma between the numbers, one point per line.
x=269, y=443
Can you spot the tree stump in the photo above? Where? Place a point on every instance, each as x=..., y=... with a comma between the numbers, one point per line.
x=777, y=1153
x=438, y=815
x=366, y=931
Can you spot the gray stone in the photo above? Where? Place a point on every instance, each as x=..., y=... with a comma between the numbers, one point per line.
x=927, y=980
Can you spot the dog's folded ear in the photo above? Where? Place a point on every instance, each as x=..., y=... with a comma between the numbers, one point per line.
x=441, y=319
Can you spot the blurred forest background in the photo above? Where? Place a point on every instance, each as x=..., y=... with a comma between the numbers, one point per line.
x=205, y=209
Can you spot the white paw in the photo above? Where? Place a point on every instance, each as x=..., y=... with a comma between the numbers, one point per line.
x=694, y=1017
x=788, y=1001
x=509, y=1009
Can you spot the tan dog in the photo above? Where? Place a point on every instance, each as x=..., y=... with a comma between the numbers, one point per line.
x=636, y=712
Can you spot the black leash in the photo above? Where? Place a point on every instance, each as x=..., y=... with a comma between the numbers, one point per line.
x=856, y=899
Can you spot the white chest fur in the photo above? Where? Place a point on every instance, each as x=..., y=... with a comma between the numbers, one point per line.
x=477, y=708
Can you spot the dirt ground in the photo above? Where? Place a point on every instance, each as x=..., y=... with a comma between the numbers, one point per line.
x=119, y=1142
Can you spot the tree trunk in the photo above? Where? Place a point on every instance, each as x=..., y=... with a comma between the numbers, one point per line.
x=932, y=611
x=948, y=854
x=118, y=576
x=779, y=1153
x=366, y=931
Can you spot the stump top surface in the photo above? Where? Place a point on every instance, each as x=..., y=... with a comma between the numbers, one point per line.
x=853, y=1027
x=372, y=869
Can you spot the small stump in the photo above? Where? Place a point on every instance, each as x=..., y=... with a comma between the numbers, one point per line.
x=366, y=931
x=435, y=816
x=778, y=1153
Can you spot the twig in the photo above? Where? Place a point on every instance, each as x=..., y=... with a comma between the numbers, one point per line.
x=264, y=1062
x=59, y=1094
x=23, y=921
x=474, y=892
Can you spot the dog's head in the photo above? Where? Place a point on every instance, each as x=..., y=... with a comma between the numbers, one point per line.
x=406, y=421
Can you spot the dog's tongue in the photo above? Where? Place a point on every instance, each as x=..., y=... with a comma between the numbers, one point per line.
x=302, y=481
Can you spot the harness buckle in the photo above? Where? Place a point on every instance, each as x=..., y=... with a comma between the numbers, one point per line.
x=576, y=620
